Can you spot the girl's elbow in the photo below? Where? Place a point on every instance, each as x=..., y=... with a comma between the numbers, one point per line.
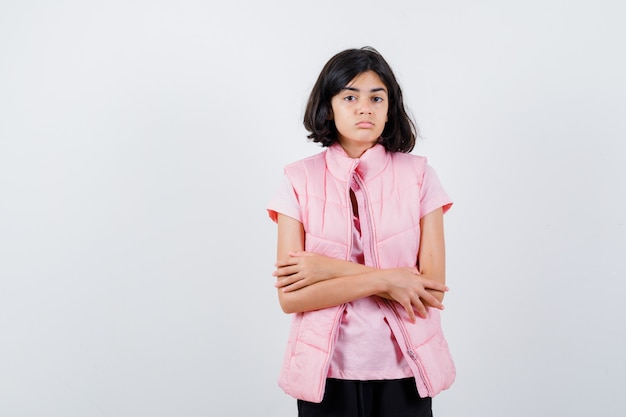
x=286, y=304
x=287, y=309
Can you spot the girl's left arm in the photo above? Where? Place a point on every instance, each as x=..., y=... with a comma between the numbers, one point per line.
x=431, y=260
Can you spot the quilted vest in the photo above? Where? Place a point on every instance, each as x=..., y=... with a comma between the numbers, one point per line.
x=391, y=183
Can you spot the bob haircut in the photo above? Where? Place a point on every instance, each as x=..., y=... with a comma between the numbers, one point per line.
x=400, y=132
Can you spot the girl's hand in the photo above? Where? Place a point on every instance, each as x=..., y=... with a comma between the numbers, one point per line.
x=301, y=269
x=408, y=288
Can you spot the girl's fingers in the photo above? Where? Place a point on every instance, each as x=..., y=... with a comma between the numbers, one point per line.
x=285, y=286
x=434, y=285
x=285, y=262
x=280, y=283
x=410, y=312
x=291, y=282
x=419, y=306
x=287, y=280
x=431, y=300
x=285, y=271
x=290, y=288
x=294, y=286
x=437, y=286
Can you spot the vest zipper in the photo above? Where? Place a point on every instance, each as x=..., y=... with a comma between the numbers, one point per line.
x=349, y=200
x=373, y=256
x=374, y=260
x=409, y=348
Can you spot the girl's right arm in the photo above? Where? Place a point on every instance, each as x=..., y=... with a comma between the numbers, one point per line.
x=400, y=284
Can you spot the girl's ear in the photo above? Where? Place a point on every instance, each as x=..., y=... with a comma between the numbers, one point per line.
x=330, y=116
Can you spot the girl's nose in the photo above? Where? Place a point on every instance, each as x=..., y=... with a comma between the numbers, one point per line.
x=365, y=109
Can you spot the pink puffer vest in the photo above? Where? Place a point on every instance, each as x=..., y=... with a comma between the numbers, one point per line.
x=391, y=183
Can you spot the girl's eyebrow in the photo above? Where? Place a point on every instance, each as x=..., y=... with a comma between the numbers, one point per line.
x=373, y=90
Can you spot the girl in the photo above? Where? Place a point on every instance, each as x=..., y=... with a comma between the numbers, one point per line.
x=361, y=253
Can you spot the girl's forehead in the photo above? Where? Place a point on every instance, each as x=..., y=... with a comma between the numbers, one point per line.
x=367, y=77
x=367, y=74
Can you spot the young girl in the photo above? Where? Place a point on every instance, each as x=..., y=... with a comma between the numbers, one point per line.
x=361, y=253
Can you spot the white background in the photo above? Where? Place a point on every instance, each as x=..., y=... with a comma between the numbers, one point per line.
x=141, y=140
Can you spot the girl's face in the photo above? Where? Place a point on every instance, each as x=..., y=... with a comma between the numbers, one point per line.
x=360, y=113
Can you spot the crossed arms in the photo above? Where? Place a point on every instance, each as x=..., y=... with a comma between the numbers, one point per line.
x=308, y=281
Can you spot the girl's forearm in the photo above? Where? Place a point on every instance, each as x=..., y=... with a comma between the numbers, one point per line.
x=333, y=292
x=347, y=268
x=342, y=268
x=301, y=269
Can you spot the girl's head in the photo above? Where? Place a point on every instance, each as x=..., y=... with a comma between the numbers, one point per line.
x=338, y=74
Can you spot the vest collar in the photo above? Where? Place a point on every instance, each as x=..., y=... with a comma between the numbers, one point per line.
x=370, y=164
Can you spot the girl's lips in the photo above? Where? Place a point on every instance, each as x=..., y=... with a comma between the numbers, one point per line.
x=365, y=123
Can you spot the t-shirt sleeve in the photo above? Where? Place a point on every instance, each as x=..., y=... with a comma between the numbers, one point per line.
x=284, y=201
x=433, y=194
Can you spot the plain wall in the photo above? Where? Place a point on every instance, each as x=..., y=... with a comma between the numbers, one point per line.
x=140, y=142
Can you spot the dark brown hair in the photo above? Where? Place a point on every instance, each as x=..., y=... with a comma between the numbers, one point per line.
x=400, y=132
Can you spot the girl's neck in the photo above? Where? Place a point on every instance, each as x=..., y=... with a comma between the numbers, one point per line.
x=355, y=151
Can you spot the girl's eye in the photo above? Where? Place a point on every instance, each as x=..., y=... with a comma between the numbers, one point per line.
x=377, y=99
x=349, y=98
